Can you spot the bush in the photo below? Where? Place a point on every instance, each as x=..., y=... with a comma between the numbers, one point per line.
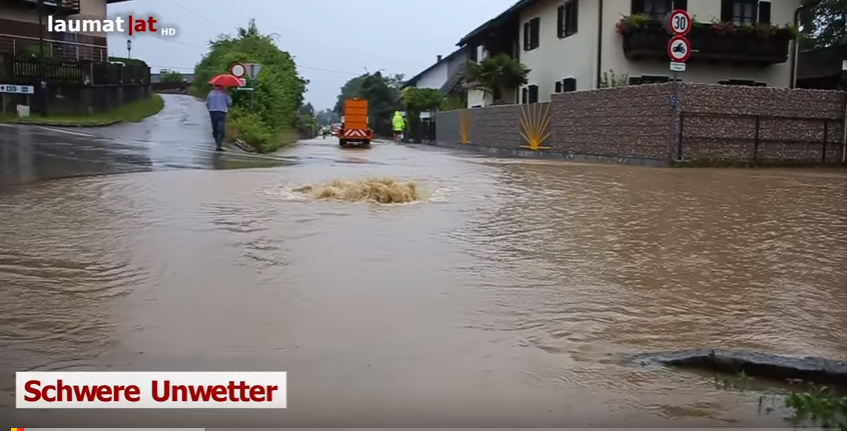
x=249, y=127
x=278, y=87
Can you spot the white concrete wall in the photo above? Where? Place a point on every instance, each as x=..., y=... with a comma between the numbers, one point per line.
x=479, y=98
x=434, y=78
x=556, y=59
x=778, y=75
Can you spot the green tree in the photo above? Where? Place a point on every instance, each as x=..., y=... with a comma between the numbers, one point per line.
x=383, y=98
x=417, y=100
x=825, y=23
x=172, y=76
x=278, y=91
x=496, y=74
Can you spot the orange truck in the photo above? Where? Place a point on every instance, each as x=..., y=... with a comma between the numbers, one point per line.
x=354, y=124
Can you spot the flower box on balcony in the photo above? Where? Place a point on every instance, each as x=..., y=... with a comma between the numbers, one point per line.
x=762, y=44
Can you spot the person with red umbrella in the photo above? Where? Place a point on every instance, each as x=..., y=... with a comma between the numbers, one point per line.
x=218, y=103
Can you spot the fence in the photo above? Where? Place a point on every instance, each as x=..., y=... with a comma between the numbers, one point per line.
x=27, y=71
x=58, y=50
x=762, y=137
x=634, y=124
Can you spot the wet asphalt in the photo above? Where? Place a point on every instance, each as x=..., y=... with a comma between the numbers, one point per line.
x=179, y=137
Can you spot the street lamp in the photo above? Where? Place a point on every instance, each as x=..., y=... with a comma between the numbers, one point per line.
x=128, y=48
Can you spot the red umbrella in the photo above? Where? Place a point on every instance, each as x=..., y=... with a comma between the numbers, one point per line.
x=226, y=80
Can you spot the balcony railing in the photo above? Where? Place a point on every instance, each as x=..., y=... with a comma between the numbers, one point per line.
x=53, y=7
x=709, y=43
x=23, y=46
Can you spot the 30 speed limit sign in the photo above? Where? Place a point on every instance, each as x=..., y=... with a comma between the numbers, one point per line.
x=679, y=22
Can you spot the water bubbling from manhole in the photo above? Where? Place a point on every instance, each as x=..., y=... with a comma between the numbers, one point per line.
x=378, y=190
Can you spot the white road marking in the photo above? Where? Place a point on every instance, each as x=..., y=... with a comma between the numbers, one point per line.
x=66, y=131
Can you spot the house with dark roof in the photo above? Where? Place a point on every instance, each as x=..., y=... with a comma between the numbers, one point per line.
x=443, y=75
x=822, y=68
x=19, y=30
x=573, y=45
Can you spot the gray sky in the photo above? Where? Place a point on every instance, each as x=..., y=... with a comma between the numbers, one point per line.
x=331, y=40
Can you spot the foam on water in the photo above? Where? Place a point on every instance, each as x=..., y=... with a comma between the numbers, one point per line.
x=374, y=190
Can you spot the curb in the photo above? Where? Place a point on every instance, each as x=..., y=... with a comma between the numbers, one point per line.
x=61, y=124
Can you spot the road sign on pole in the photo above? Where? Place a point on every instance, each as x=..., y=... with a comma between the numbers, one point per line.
x=679, y=49
x=253, y=69
x=679, y=22
x=677, y=67
x=238, y=70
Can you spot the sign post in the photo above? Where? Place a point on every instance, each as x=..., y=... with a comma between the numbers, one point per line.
x=252, y=71
x=679, y=49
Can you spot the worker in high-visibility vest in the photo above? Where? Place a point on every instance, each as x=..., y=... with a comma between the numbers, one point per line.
x=399, y=124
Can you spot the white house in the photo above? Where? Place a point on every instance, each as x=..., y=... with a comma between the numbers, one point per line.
x=443, y=74
x=570, y=45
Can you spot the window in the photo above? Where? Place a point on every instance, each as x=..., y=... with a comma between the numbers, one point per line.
x=568, y=18
x=558, y=86
x=529, y=94
x=657, y=9
x=477, y=53
x=531, y=34
x=745, y=11
x=533, y=93
x=568, y=85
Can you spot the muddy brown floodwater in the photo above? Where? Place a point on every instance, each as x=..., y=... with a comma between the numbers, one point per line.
x=505, y=298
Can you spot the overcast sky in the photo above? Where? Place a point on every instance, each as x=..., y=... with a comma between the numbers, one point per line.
x=331, y=40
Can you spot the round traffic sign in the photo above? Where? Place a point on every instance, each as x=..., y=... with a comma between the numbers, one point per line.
x=679, y=49
x=679, y=22
x=238, y=70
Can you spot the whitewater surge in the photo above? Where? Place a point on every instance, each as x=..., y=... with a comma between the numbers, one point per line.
x=376, y=190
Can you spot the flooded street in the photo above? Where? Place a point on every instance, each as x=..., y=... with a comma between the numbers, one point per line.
x=509, y=296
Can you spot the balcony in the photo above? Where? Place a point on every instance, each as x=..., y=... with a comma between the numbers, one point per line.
x=762, y=44
x=59, y=50
x=54, y=7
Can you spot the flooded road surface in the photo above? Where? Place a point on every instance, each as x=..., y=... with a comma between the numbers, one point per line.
x=506, y=298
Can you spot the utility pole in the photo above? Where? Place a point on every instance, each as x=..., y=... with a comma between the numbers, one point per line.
x=41, y=79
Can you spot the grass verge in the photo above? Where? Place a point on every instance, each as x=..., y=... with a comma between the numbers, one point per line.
x=131, y=112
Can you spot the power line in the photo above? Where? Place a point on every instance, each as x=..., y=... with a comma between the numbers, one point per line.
x=193, y=13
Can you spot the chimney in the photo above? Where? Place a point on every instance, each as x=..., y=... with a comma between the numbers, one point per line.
x=439, y=58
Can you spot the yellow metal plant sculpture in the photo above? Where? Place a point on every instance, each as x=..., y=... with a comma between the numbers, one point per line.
x=465, y=126
x=535, y=119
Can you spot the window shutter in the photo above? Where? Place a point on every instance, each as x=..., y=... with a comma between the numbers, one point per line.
x=536, y=32
x=569, y=84
x=574, y=19
x=637, y=6
x=524, y=95
x=765, y=12
x=726, y=10
x=533, y=94
x=558, y=86
x=526, y=36
x=680, y=4
x=560, y=24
